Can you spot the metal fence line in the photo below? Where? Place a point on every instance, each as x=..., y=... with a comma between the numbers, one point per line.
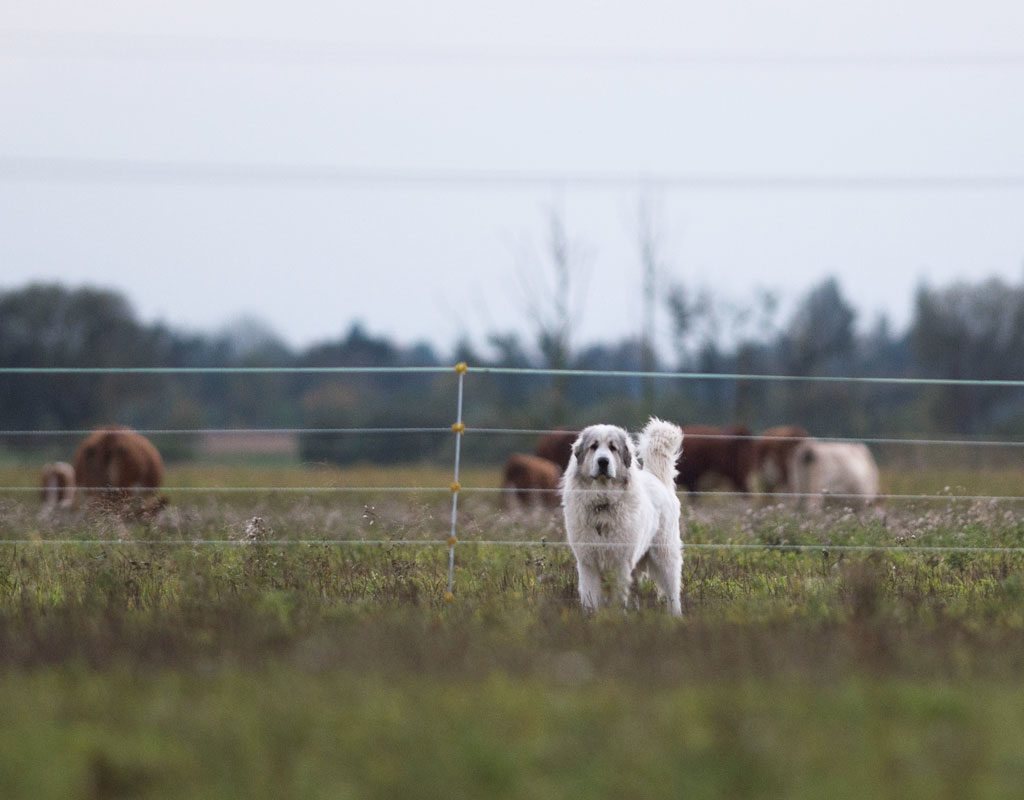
x=734, y=376
x=233, y=431
x=397, y=431
x=728, y=495
x=781, y=496
x=222, y=370
x=755, y=437
x=541, y=543
x=230, y=489
x=535, y=371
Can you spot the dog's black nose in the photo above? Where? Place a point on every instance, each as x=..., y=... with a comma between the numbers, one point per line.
x=602, y=465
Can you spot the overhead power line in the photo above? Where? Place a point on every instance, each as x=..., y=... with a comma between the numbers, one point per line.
x=51, y=169
x=164, y=47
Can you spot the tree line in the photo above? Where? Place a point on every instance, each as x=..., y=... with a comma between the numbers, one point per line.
x=961, y=331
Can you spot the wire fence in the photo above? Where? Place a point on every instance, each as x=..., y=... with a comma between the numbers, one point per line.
x=534, y=543
x=459, y=429
x=357, y=431
x=484, y=490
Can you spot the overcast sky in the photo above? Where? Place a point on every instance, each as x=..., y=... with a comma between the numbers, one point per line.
x=395, y=163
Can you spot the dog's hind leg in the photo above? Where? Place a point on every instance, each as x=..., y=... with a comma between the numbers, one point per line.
x=665, y=566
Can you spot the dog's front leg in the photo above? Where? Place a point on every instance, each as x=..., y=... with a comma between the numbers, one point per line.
x=590, y=586
x=622, y=584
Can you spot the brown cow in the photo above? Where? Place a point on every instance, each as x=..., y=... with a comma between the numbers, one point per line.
x=557, y=447
x=58, y=485
x=531, y=479
x=772, y=452
x=113, y=458
x=707, y=449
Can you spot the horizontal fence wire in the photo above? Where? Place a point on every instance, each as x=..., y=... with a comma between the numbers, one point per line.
x=738, y=376
x=881, y=440
x=222, y=370
x=538, y=543
x=779, y=496
x=235, y=431
x=755, y=437
x=281, y=490
x=523, y=371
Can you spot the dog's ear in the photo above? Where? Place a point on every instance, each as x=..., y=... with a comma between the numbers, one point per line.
x=580, y=445
x=627, y=451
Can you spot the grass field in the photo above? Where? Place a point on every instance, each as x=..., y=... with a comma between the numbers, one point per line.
x=176, y=659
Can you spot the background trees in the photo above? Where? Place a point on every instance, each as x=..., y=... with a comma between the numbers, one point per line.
x=963, y=331
x=973, y=332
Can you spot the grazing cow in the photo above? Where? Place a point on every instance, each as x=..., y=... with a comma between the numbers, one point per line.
x=58, y=485
x=556, y=446
x=819, y=469
x=772, y=450
x=115, y=458
x=726, y=452
x=532, y=480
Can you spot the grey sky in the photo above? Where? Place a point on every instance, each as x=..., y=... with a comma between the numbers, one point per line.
x=783, y=90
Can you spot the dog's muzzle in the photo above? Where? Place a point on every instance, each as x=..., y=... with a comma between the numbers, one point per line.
x=604, y=466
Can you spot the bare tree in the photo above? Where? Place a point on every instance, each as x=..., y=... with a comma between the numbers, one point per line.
x=650, y=245
x=551, y=283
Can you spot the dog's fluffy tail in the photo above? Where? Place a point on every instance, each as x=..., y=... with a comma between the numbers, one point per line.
x=661, y=443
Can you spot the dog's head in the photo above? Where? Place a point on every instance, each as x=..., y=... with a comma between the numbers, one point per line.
x=603, y=452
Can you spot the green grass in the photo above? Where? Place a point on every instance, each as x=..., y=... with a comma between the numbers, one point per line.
x=282, y=733
x=174, y=659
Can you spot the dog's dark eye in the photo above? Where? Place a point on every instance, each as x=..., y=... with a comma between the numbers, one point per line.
x=613, y=448
x=593, y=446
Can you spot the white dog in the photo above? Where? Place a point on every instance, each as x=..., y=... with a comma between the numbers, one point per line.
x=620, y=515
